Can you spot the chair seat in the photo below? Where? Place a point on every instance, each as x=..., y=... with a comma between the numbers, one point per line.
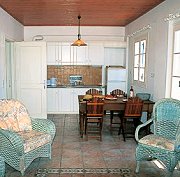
x=157, y=141
x=33, y=139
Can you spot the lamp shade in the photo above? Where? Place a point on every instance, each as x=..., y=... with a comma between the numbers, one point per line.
x=79, y=43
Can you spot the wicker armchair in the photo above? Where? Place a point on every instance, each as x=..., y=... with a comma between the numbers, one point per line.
x=2, y=167
x=23, y=139
x=164, y=144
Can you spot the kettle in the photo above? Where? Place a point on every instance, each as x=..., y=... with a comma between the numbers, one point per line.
x=53, y=81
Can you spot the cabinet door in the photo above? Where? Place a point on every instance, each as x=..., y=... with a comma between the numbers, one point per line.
x=66, y=53
x=96, y=54
x=114, y=56
x=77, y=91
x=65, y=100
x=52, y=58
x=52, y=100
x=81, y=55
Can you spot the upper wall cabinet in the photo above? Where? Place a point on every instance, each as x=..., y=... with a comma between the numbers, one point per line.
x=80, y=55
x=58, y=53
x=115, y=56
x=96, y=53
x=64, y=54
x=53, y=53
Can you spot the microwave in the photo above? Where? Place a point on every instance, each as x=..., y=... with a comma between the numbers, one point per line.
x=75, y=80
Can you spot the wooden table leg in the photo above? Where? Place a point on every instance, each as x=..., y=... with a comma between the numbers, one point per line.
x=81, y=124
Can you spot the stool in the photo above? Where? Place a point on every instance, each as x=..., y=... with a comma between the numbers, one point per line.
x=2, y=166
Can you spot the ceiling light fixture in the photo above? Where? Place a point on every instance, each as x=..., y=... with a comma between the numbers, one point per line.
x=79, y=42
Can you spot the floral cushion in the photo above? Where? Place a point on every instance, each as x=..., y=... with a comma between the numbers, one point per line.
x=157, y=141
x=33, y=139
x=14, y=116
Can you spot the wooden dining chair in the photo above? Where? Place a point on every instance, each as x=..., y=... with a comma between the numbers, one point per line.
x=115, y=93
x=93, y=92
x=94, y=116
x=133, y=111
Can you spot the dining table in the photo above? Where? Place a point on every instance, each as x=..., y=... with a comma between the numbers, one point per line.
x=116, y=104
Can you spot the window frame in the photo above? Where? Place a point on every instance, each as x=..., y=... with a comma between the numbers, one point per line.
x=176, y=27
x=140, y=38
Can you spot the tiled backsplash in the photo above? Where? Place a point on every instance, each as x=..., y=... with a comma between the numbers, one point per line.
x=91, y=75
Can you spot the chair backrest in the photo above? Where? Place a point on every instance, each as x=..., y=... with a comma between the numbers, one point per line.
x=166, y=113
x=117, y=92
x=93, y=92
x=95, y=108
x=133, y=107
x=14, y=116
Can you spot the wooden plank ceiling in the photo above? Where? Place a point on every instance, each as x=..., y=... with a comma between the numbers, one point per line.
x=65, y=12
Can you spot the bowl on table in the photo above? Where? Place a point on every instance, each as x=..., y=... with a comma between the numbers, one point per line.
x=144, y=96
x=87, y=97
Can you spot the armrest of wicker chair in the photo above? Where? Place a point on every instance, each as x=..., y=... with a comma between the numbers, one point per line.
x=12, y=140
x=44, y=125
x=177, y=143
x=139, y=127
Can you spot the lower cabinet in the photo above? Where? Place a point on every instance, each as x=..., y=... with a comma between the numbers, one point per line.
x=52, y=100
x=64, y=100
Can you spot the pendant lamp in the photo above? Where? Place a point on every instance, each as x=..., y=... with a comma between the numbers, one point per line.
x=79, y=42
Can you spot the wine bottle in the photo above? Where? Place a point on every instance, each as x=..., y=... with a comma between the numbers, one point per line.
x=131, y=92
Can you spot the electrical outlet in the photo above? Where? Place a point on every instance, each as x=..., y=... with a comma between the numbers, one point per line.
x=152, y=75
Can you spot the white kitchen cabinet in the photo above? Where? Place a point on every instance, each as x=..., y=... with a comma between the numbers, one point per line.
x=80, y=55
x=58, y=53
x=115, y=56
x=68, y=99
x=53, y=53
x=96, y=54
x=52, y=100
x=64, y=100
x=66, y=54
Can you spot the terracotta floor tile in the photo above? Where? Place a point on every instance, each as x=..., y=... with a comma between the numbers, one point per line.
x=75, y=162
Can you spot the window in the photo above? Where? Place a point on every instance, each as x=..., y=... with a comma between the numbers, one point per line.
x=140, y=60
x=175, y=77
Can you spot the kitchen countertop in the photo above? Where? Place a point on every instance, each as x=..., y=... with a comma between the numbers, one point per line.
x=76, y=86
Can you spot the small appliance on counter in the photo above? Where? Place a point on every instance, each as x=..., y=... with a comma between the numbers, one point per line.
x=53, y=82
x=75, y=80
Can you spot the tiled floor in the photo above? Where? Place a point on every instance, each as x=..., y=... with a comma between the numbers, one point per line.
x=71, y=151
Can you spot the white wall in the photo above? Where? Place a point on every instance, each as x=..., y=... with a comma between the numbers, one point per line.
x=69, y=33
x=10, y=27
x=12, y=30
x=158, y=49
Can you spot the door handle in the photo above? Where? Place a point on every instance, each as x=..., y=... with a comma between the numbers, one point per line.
x=9, y=83
x=44, y=83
